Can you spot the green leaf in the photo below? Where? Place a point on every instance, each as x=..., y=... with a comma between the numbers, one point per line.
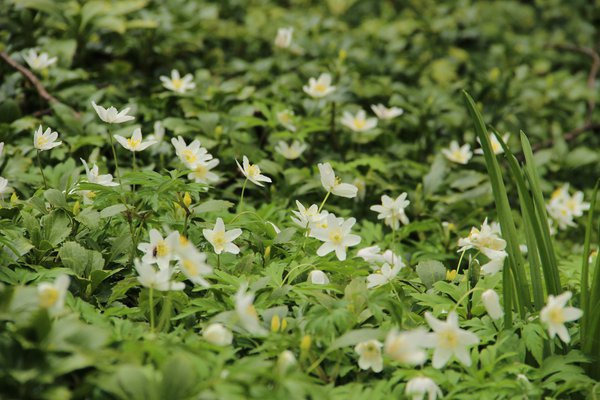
x=431, y=272
x=79, y=259
x=354, y=337
x=212, y=206
x=56, y=198
x=56, y=227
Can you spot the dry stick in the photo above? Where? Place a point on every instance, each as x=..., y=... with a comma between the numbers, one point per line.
x=591, y=83
x=30, y=77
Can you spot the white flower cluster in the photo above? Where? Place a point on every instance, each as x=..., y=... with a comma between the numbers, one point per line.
x=564, y=208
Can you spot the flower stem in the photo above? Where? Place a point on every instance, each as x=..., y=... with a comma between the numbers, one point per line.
x=41, y=169
x=134, y=163
x=242, y=196
x=151, y=303
x=112, y=145
x=323, y=202
x=218, y=261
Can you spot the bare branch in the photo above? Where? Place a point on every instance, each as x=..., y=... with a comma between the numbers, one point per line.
x=30, y=77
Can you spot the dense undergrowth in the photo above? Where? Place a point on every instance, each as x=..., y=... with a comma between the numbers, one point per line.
x=298, y=199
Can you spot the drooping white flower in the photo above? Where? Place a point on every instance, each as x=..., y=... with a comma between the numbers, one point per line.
x=383, y=112
x=1, y=148
x=178, y=84
x=190, y=154
x=333, y=184
x=318, y=277
x=159, y=250
x=244, y=308
x=202, y=172
x=421, y=386
x=252, y=172
x=496, y=146
x=285, y=361
x=392, y=210
x=382, y=276
x=406, y=347
x=51, y=296
x=156, y=279
x=4, y=188
x=286, y=118
x=320, y=87
x=217, y=334
x=221, y=240
x=449, y=339
x=158, y=135
x=134, y=143
x=491, y=302
x=283, y=39
x=370, y=355
x=336, y=237
x=46, y=140
x=555, y=314
x=40, y=61
x=93, y=176
x=192, y=263
x=290, y=151
x=358, y=122
x=458, y=154
x=112, y=115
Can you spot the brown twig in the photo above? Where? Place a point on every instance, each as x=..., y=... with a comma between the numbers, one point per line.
x=30, y=77
x=591, y=104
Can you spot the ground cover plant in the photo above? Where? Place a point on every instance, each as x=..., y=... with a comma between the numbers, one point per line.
x=299, y=199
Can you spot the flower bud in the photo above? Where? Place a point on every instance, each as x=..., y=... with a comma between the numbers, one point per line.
x=305, y=343
x=187, y=199
x=217, y=334
x=285, y=361
x=492, y=304
x=275, y=323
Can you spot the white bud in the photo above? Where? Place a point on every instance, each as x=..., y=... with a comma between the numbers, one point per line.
x=492, y=304
x=217, y=334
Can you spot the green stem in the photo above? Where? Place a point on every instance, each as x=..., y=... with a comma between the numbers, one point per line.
x=151, y=303
x=242, y=196
x=218, y=261
x=134, y=163
x=114, y=151
x=41, y=169
x=323, y=202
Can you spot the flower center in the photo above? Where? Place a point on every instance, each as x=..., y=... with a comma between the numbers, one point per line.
x=200, y=171
x=253, y=170
x=319, y=87
x=133, y=143
x=190, y=267
x=48, y=297
x=557, y=316
x=162, y=249
x=458, y=155
x=41, y=141
x=448, y=339
x=359, y=123
x=335, y=236
x=219, y=240
x=189, y=156
x=177, y=83
x=250, y=310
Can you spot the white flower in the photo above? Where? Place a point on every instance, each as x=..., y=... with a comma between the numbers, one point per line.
x=4, y=188
x=158, y=136
x=93, y=176
x=283, y=39
x=159, y=280
x=383, y=112
x=458, y=154
x=373, y=256
x=406, y=347
x=190, y=154
x=160, y=250
x=337, y=236
x=217, y=334
x=134, y=143
x=318, y=277
x=285, y=118
x=112, y=115
x=319, y=88
x=1, y=148
x=306, y=217
x=358, y=122
x=290, y=151
x=222, y=240
x=333, y=184
x=418, y=387
x=201, y=173
x=491, y=302
x=488, y=241
x=178, y=84
x=563, y=207
x=496, y=146
x=252, y=172
x=370, y=355
x=244, y=308
x=382, y=276
x=39, y=62
x=193, y=265
x=51, y=296
x=46, y=140
x=448, y=339
x=392, y=210
x=555, y=314
x=285, y=361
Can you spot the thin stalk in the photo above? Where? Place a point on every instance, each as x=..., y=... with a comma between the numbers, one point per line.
x=114, y=152
x=41, y=169
x=134, y=167
x=151, y=303
x=323, y=202
x=219, y=261
x=242, y=196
